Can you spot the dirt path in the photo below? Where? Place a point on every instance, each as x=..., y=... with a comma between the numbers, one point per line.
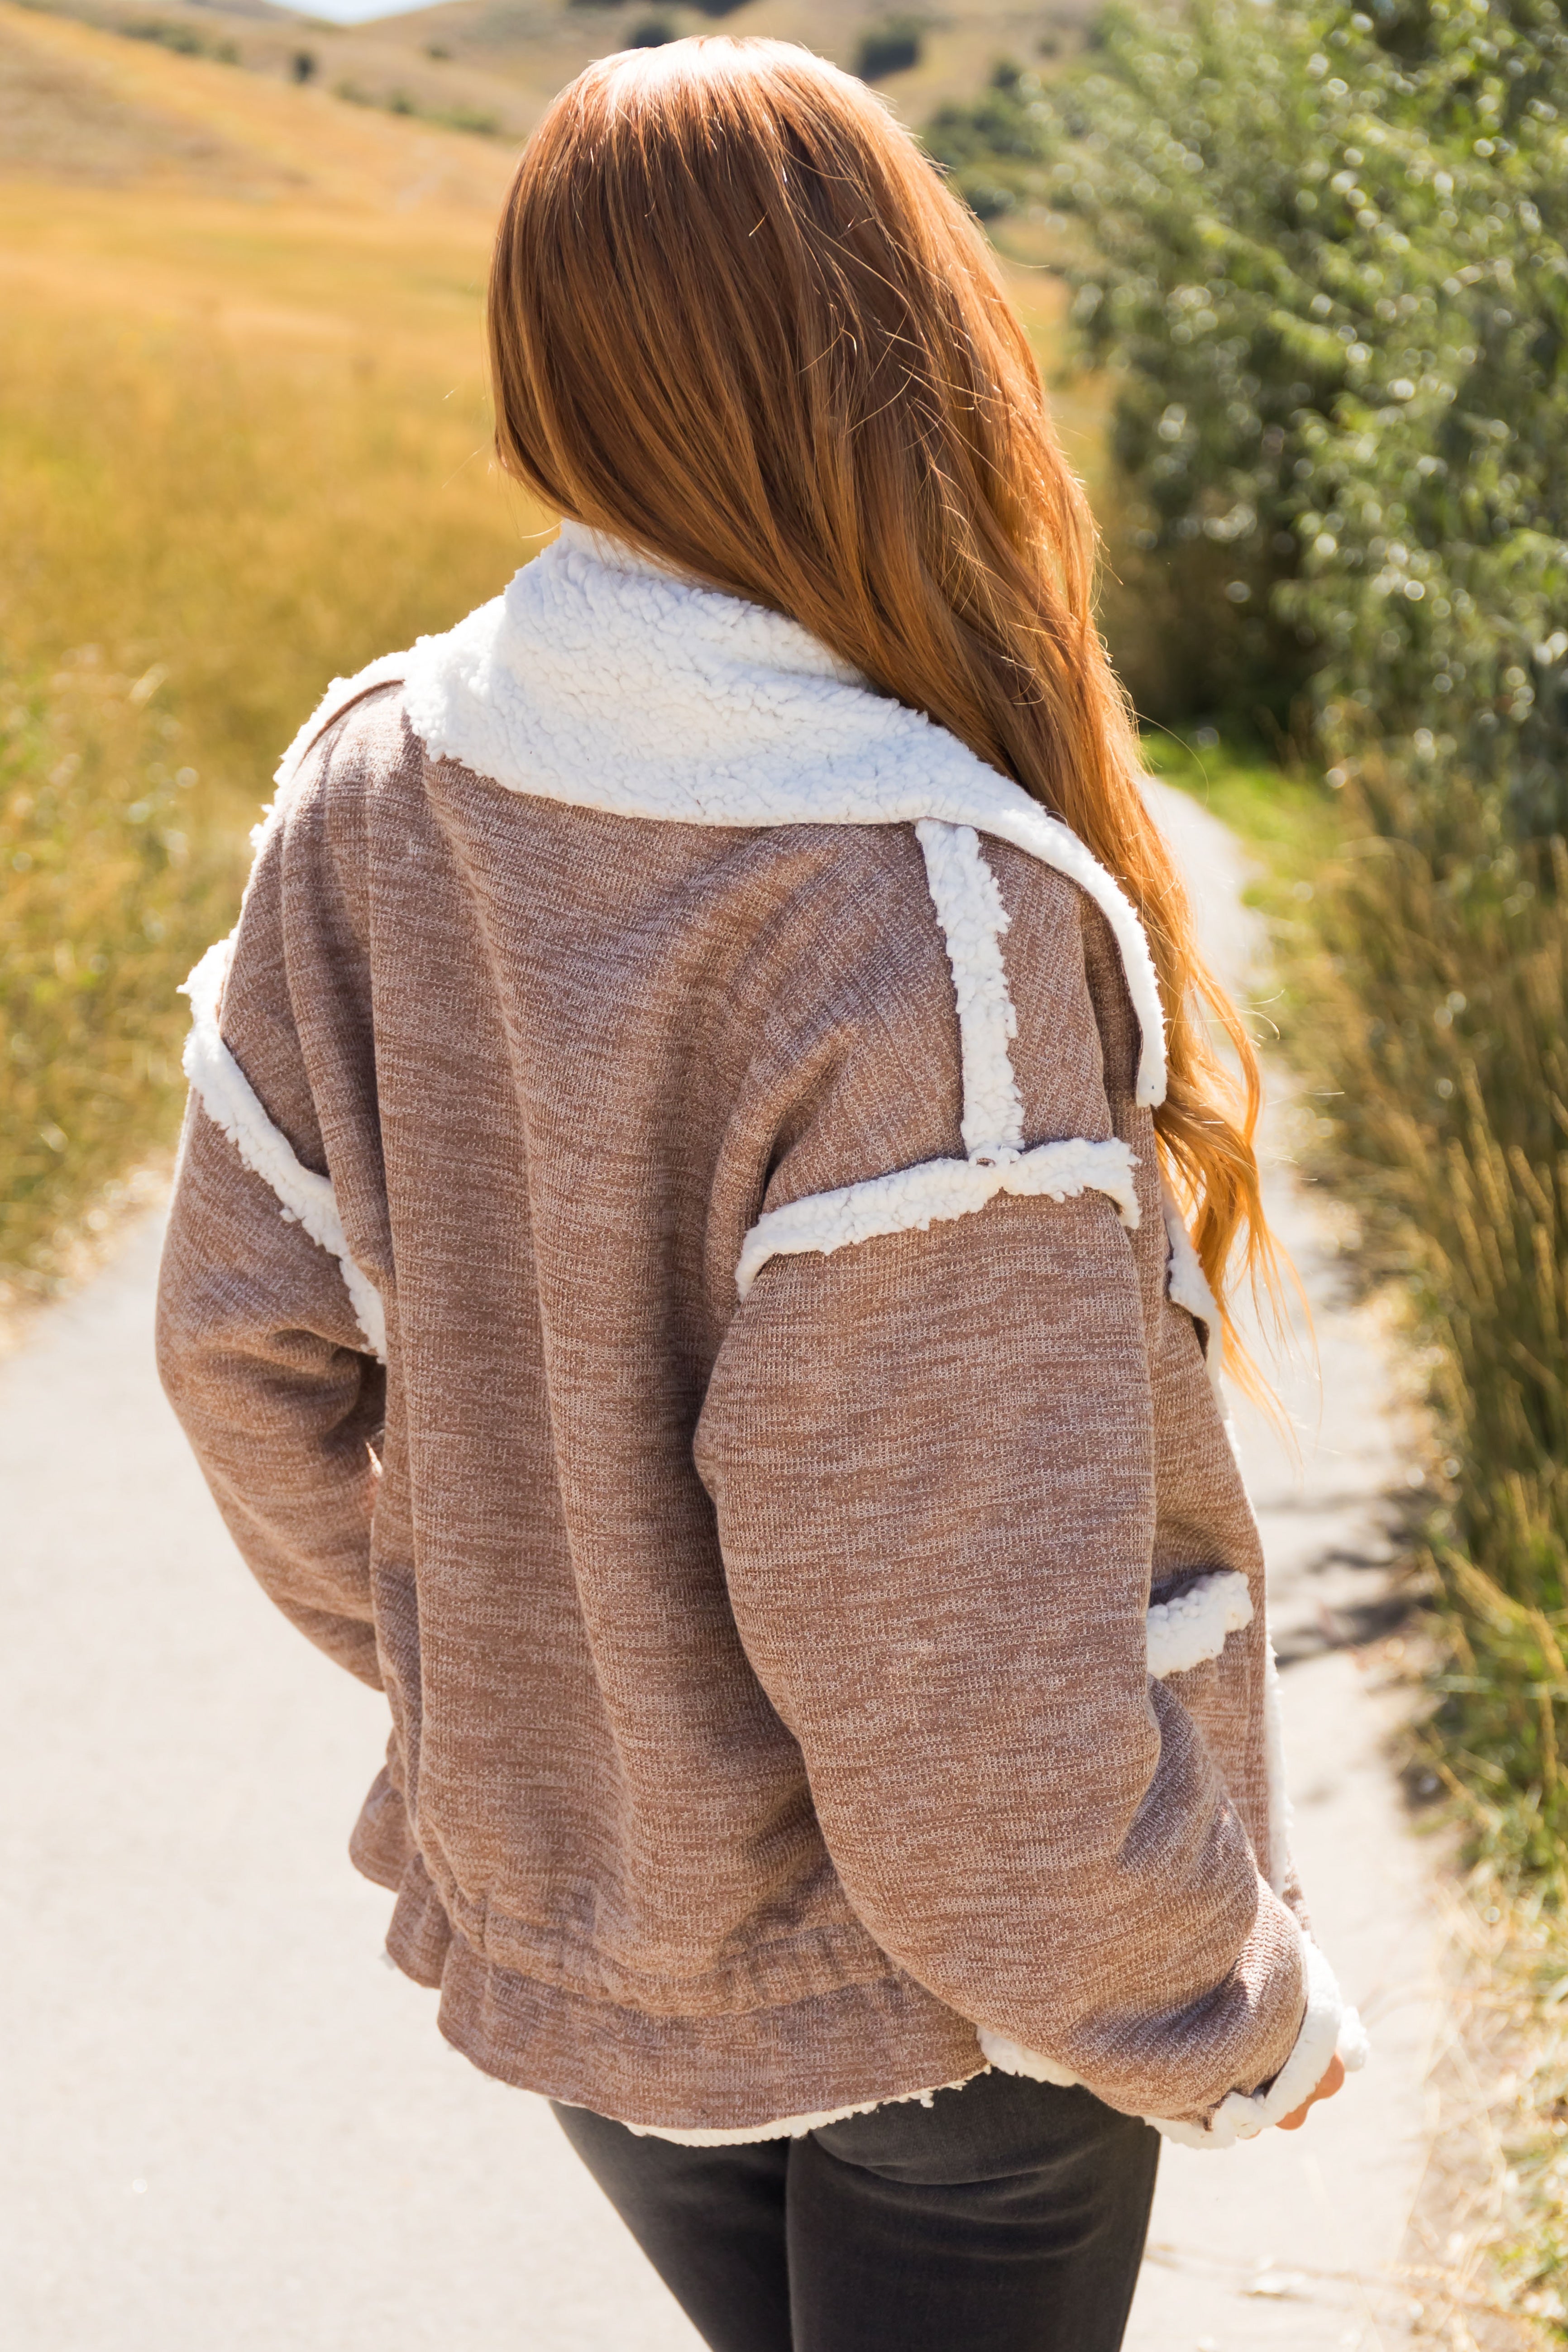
x=228, y=2124
x=1295, y=2238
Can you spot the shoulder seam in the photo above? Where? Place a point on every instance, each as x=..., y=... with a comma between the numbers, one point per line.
x=387, y=669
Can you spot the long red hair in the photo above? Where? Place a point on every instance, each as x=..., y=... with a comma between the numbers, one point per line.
x=737, y=320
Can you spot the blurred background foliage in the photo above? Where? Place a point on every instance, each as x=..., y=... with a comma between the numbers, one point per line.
x=242, y=448
x=1321, y=253
x=1325, y=257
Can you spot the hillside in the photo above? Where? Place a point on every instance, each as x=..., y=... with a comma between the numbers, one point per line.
x=487, y=68
x=244, y=446
x=78, y=104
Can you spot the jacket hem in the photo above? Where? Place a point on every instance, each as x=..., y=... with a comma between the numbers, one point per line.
x=797, y=2126
x=776, y=1970
x=842, y=2051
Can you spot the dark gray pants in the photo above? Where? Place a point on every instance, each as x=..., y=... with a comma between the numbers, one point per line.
x=1006, y=2217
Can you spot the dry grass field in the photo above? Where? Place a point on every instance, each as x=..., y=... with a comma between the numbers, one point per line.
x=244, y=446
x=493, y=65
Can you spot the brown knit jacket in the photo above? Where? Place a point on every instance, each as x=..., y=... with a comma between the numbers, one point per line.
x=791, y=1516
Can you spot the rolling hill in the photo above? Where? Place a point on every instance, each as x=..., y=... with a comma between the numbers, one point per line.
x=484, y=67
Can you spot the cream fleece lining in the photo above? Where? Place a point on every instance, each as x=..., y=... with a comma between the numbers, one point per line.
x=796, y=2127
x=913, y=1199
x=230, y=1102
x=1194, y=1627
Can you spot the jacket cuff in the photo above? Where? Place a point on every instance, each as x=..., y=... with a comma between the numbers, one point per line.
x=1329, y=2029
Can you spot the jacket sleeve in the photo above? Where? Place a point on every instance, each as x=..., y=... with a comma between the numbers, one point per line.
x=263, y=1355
x=930, y=1454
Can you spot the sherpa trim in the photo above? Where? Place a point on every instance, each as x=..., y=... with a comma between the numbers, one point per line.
x=969, y=908
x=794, y=2126
x=339, y=698
x=603, y=679
x=387, y=669
x=1194, y=1627
x=1010, y=2057
x=231, y=1103
x=1329, y=2029
x=914, y=1199
x=1187, y=1283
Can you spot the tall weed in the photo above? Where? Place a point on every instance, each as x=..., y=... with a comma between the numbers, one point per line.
x=1431, y=1019
x=1321, y=250
x=104, y=895
x=200, y=528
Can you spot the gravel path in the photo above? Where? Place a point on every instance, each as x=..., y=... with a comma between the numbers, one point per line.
x=227, y=2125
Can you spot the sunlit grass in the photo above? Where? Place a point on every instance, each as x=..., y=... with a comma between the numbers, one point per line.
x=1292, y=819
x=1431, y=1017
x=257, y=457
x=1419, y=993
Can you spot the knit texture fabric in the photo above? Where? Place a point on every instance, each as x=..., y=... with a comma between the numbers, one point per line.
x=772, y=1711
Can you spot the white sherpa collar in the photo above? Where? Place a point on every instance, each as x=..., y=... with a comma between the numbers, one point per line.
x=601, y=678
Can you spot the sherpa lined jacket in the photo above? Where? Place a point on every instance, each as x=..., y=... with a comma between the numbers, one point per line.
x=669, y=1278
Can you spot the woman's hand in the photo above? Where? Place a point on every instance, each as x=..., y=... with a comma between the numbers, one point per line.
x=1325, y=2089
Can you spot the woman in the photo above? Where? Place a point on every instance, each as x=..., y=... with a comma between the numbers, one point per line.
x=676, y=1274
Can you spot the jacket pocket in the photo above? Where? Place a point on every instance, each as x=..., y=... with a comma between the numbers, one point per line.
x=1195, y=1623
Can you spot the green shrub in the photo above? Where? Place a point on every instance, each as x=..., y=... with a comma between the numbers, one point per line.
x=990, y=146
x=1321, y=256
x=185, y=40
x=890, y=47
x=1325, y=261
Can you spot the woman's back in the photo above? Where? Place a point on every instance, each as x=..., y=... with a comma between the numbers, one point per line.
x=676, y=1271
x=675, y=1588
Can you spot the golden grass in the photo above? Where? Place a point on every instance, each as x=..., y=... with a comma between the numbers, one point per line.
x=186, y=120
x=502, y=66
x=1488, y=2238
x=243, y=448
